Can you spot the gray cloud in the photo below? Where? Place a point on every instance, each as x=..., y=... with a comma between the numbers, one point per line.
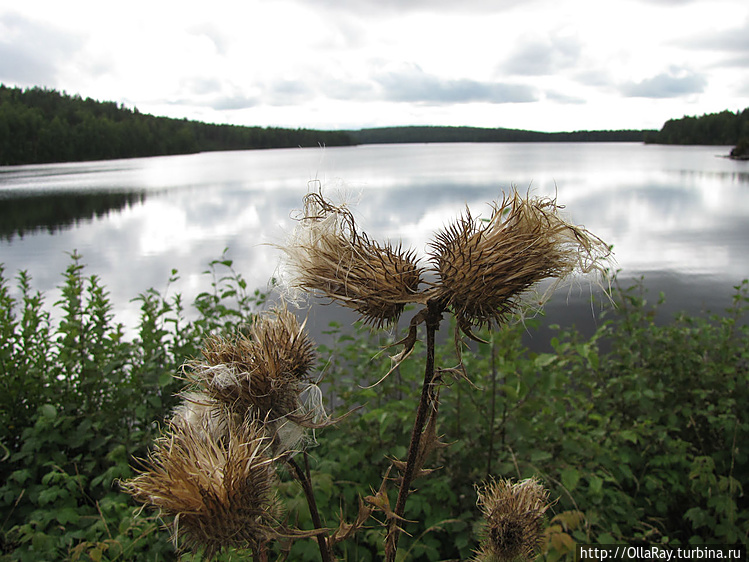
x=388, y=7
x=734, y=42
x=543, y=57
x=673, y=2
x=288, y=92
x=233, y=102
x=666, y=85
x=30, y=53
x=201, y=86
x=594, y=77
x=740, y=61
x=414, y=85
x=559, y=97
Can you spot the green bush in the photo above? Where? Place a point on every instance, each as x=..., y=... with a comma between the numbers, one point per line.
x=639, y=430
x=80, y=403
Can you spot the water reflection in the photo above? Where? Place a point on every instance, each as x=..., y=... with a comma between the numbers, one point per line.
x=677, y=213
x=24, y=214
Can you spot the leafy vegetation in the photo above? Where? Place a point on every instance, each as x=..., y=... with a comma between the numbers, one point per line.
x=637, y=430
x=724, y=128
x=39, y=125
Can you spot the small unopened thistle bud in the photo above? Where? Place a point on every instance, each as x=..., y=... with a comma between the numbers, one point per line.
x=484, y=268
x=220, y=493
x=514, y=520
x=329, y=257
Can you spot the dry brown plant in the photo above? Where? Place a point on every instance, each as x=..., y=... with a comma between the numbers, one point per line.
x=219, y=493
x=250, y=399
x=328, y=256
x=263, y=374
x=485, y=268
x=513, y=520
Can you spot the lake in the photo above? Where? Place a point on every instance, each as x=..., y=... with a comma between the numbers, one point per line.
x=677, y=215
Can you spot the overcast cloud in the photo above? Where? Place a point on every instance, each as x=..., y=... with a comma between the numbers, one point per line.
x=531, y=64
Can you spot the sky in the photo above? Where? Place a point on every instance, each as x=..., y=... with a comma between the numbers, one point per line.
x=544, y=65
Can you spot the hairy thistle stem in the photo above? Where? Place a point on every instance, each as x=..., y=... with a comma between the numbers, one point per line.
x=432, y=322
x=304, y=479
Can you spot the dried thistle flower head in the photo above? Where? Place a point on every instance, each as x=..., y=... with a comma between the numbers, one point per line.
x=263, y=375
x=484, y=268
x=220, y=492
x=328, y=256
x=514, y=520
x=204, y=414
x=262, y=372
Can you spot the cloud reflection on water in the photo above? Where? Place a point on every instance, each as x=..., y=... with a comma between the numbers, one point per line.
x=678, y=210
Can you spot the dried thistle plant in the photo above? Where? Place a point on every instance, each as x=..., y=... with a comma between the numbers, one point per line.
x=249, y=404
x=250, y=399
x=513, y=520
x=264, y=375
x=484, y=271
x=485, y=268
x=220, y=492
x=328, y=256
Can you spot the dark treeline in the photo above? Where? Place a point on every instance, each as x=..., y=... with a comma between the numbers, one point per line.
x=38, y=125
x=477, y=134
x=724, y=128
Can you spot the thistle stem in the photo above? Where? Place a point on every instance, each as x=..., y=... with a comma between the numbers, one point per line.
x=492, y=411
x=305, y=480
x=433, y=318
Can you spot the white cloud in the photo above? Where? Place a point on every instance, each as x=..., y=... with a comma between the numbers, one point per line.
x=537, y=64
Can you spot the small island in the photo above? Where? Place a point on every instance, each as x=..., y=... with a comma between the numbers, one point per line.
x=740, y=151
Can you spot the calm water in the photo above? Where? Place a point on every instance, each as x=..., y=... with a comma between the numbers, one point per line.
x=678, y=215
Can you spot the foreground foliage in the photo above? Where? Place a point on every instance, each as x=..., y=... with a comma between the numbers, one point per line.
x=637, y=430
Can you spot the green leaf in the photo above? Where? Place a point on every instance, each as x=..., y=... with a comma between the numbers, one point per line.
x=49, y=495
x=49, y=411
x=538, y=456
x=606, y=538
x=570, y=477
x=21, y=476
x=629, y=435
x=67, y=515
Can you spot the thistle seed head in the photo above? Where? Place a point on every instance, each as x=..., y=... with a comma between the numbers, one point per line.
x=514, y=520
x=219, y=492
x=484, y=268
x=329, y=257
x=261, y=373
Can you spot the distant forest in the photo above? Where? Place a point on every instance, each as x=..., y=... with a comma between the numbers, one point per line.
x=476, y=134
x=724, y=128
x=38, y=125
